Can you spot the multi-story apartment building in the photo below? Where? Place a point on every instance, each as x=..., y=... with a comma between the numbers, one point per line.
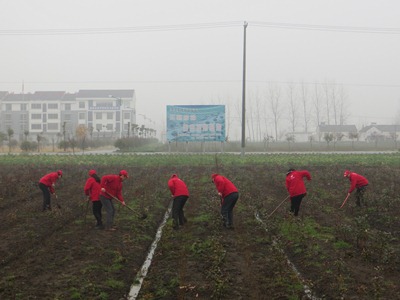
x=53, y=114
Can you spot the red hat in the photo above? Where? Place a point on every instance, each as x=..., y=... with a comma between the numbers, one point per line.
x=59, y=172
x=92, y=172
x=123, y=172
x=346, y=173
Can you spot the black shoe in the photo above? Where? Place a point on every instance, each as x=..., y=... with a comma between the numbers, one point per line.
x=99, y=226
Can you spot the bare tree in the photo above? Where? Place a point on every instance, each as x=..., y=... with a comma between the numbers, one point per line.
x=274, y=97
x=317, y=106
x=258, y=117
x=81, y=133
x=326, y=88
x=342, y=97
x=334, y=103
x=249, y=121
x=304, y=102
x=291, y=91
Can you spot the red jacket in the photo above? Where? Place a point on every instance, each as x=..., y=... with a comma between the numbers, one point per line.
x=223, y=185
x=177, y=186
x=92, y=189
x=295, y=184
x=49, y=180
x=113, y=185
x=357, y=181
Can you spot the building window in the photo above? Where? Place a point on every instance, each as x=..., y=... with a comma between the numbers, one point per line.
x=127, y=116
x=36, y=106
x=8, y=118
x=104, y=104
x=36, y=126
x=52, y=106
x=109, y=127
x=36, y=116
x=23, y=128
x=99, y=116
x=99, y=127
x=8, y=107
x=52, y=116
x=81, y=104
x=24, y=107
x=23, y=117
x=52, y=126
x=82, y=116
x=67, y=117
x=110, y=116
x=68, y=106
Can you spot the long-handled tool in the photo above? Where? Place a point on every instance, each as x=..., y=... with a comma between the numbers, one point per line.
x=344, y=202
x=58, y=205
x=278, y=206
x=144, y=215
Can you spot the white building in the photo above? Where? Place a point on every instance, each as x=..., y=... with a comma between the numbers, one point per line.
x=55, y=114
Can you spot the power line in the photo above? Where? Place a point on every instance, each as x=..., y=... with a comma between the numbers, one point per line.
x=207, y=81
x=113, y=30
x=197, y=26
x=379, y=30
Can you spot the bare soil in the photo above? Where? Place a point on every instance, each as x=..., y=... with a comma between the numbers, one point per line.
x=351, y=253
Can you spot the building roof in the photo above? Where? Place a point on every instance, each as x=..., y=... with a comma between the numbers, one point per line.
x=18, y=97
x=337, y=128
x=381, y=128
x=105, y=93
x=48, y=95
x=61, y=95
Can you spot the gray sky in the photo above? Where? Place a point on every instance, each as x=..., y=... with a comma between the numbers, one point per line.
x=190, y=52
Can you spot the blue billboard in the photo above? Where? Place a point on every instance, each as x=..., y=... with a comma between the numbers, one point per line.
x=195, y=123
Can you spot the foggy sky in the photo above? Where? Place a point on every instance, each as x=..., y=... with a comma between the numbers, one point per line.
x=190, y=52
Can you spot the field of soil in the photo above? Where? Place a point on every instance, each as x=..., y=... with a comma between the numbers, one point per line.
x=349, y=253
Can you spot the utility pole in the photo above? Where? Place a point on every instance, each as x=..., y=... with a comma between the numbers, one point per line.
x=244, y=91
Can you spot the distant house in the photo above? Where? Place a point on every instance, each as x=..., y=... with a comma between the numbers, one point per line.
x=339, y=132
x=376, y=132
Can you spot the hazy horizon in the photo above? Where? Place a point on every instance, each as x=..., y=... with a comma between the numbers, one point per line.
x=181, y=52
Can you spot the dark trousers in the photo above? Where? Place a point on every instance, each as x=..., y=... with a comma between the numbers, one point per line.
x=46, y=196
x=227, y=205
x=110, y=210
x=178, y=217
x=97, y=212
x=295, y=204
x=360, y=195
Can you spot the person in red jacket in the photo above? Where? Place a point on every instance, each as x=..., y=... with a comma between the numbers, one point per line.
x=296, y=188
x=229, y=195
x=357, y=182
x=47, y=184
x=111, y=188
x=180, y=194
x=92, y=191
